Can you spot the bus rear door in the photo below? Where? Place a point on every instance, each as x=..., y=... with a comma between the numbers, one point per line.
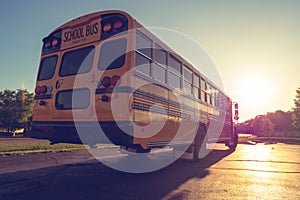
x=74, y=92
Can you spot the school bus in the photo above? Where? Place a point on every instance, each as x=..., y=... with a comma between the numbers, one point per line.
x=87, y=77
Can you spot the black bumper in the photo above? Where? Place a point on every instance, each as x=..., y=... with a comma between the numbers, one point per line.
x=84, y=132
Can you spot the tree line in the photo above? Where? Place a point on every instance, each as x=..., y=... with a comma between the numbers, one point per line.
x=15, y=109
x=278, y=121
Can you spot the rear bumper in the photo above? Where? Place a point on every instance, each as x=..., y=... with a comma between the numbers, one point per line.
x=84, y=132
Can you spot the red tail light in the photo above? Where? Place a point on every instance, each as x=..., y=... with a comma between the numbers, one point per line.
x=115, y=80
x=43, y=89
x=106, y=81
x=37, y=90
x=118, y=24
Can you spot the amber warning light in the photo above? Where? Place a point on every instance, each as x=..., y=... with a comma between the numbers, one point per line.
x=52, y=42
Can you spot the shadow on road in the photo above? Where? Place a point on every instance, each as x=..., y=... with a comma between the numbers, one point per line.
x=93, y=180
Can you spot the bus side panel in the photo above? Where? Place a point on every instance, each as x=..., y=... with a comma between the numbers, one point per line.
x=150, y=107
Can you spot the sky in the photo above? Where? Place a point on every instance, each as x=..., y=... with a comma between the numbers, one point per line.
x=255, y=44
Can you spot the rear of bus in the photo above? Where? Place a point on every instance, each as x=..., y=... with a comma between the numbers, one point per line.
x=81, y=62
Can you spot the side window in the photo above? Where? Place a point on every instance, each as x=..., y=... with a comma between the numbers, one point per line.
x=196, y=86
x=77, y=62
x=143, y=44
x=160, y=66
x=160, y=55
x=188, y=78
x=203, y=90
x=143, y=55
x=220, y=100
x=174, y=73
x=112, y=54
x=208, y=93
x=47, y=68
x=213, y=96
x=175, y=64
x=143, y=64
x=175, y=80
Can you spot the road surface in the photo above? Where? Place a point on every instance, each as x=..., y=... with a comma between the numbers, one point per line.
x=251, y=172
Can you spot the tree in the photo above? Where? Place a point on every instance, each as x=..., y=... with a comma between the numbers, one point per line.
x=296, y=111
x=263, y=126
x=15, y=109
x=281, y=119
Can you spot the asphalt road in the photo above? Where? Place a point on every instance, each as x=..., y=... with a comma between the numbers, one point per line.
x=251, y=172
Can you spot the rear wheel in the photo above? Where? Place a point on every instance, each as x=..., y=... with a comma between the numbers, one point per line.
x=140, y=149
x=234, y=141
x=200, y=150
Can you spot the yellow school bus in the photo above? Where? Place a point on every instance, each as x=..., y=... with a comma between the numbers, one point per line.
x=88, y=75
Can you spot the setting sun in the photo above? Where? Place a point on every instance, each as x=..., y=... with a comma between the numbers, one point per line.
x=255, y=94
x=256, y=91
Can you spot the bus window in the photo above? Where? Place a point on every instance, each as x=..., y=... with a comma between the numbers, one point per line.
x=196, y=86
x=47, y=68
x=77, y=62
x=160, y=55
x=203, y=90
x=160, y=69
x=112, y=54
x=188, y=74
x=72, y=99
x=213, y=96
x=175, y=80
x=160, y=73
x=208, y=93
x=175, y=64
x=142, y=64
x=143, y=44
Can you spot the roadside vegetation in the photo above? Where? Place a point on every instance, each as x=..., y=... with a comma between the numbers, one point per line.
x=8, y=148
x=275, y=124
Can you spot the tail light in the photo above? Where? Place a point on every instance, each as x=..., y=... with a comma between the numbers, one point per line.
x=37, y=90
x=115, y=80
x=105, y=98
x=42, y=89
x=106, y=81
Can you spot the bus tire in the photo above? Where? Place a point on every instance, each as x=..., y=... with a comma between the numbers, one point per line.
x=140, y=149
x=200, y=150
x=233, y=144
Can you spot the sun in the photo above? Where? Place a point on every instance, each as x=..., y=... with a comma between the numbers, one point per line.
x=255, y=91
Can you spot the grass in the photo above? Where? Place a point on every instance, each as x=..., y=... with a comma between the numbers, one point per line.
x=41, y=147
x=7, y=149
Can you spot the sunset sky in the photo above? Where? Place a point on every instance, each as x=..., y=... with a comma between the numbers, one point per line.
x=255, y=44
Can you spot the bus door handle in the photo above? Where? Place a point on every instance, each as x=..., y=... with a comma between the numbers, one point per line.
x=58, y=83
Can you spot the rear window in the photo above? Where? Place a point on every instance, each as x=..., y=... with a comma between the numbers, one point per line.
x=77, y=62
x=47, y=68
x=112, y=54
x=73, y=99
